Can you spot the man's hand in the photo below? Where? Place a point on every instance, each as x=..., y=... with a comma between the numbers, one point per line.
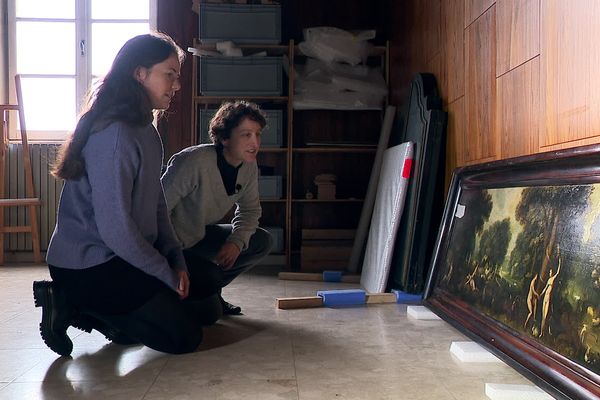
x=227, y=255
x=184, y=284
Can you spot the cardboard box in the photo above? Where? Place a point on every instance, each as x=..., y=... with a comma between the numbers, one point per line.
x=326, y=191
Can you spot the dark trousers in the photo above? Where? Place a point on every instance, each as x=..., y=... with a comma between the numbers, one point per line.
x=203, y=253
x=140, y=306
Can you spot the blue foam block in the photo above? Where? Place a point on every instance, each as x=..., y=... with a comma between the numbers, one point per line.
x=403, y=297
x=332, y=276
x=343, y=297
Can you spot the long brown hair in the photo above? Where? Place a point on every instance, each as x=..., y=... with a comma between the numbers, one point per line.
x=118, y=97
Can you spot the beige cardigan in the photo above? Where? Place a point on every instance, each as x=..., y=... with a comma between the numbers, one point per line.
x=196, y=196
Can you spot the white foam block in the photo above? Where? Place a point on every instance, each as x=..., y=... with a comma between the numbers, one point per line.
x=501, y=391
x=472, y=352
x=421, y=312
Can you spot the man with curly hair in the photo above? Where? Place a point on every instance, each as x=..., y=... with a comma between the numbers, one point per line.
x=202, y=183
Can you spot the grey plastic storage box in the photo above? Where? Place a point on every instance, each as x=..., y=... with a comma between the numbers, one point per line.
x=240, y=23
x=277, y=235
x=269, y=187
x=240, y=76
x=271, y=135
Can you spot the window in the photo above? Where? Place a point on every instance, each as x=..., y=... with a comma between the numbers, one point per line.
x=60, y=48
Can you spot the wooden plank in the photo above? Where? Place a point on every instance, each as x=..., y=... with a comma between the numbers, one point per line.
x=20, y=202
x=290, y=303
x=314, y=276
x=380, y=298
x=15, y=229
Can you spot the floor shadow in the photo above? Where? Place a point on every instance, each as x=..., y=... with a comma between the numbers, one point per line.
x=231, y=330
x=104, y=365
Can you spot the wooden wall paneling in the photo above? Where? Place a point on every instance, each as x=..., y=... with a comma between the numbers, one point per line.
x=418, y=39
x=4, y=63
x=518, y=110
x=176, y=19
x=480, y=77
x=433, y=28
x=437, y=66
x=405, y=48
x=594, y=78
x=453, y=12
x=474, y=9
x=455, y=138
x=569, y=60
x=518, y=24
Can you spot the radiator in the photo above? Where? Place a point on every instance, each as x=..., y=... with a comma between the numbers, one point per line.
x=46, y=187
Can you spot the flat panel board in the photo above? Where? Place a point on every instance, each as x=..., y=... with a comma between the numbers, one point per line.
x=389, y=204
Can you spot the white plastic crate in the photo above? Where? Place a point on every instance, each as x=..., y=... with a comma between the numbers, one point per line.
x=240, y=76
x=277, y=235
x=240, y=23
x=269, y=187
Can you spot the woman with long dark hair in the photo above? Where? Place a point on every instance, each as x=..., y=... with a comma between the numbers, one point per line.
x=115, y=263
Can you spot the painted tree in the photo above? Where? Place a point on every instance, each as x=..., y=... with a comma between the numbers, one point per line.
x=527, y=253
x=494, y=243
x=477, y=212
x=543, y=212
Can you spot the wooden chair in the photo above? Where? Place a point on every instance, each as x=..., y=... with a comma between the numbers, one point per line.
x=30, y=201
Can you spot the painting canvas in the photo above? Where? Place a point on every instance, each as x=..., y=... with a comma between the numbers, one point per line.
x=517, y=265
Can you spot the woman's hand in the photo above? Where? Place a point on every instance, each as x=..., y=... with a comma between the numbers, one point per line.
x=227, y=255
x=184, y=284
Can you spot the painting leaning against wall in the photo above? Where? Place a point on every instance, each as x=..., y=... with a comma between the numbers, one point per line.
x=534, y=264
x=516, y=265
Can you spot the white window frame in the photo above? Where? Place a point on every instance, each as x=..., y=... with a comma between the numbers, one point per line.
x=83, y=78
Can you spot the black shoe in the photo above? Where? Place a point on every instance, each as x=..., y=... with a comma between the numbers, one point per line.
x=86, y=323
x=230, y=309
x=56, y=317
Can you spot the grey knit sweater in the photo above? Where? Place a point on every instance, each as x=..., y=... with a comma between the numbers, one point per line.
x=196, y=196
x=118, y=207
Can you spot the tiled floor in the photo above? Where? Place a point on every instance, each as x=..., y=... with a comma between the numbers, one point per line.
x=372, y=352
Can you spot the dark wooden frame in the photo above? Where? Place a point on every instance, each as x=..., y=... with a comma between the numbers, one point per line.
x=554, y=372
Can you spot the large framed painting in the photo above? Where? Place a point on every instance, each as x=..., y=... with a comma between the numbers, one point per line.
x=516, y=265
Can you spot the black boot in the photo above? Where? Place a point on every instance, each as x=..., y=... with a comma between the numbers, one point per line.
x=228, y=308
x=87, y=322
x=56, y=317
